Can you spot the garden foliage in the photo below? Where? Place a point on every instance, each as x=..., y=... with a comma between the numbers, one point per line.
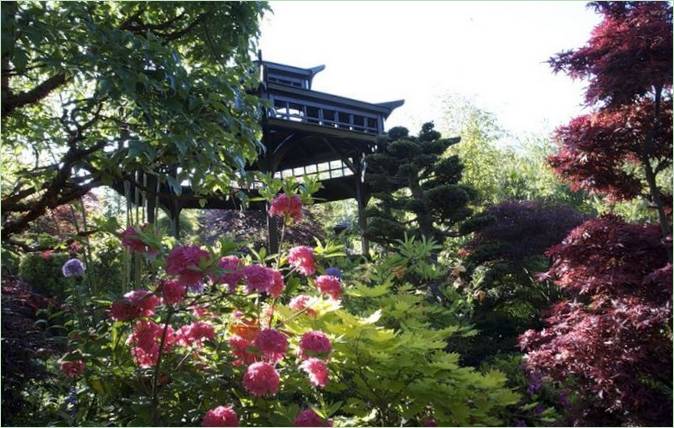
x=433, y=203
x=217, y=338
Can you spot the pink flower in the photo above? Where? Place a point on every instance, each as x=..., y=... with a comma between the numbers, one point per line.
x=314, y=344
x=185, y=261
x=429, y=422
x=146, y=340
x=301, y=303
x=195, y=334
x=272, y=344
x=173, y=292
x=309, y=418
x=47, y=254
x=288, y=207
x=134, y=304
x=302, y=258
x=233, y=272
x=221, y=416
x=258, y=278
x=200, y=311
x=132, y=240
x=72, y=369
x=279, y=285
x=261, y=379
x=329, y=285
x=317, y=371
x=241, y=348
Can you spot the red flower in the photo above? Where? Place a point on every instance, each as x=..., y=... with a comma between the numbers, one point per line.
x=261, y=379
x=279, y=285
x=329, y=285
x=317, y=371
x=314, y=344
x=195, y=334
x=272, y=344
x=173, y=292
x=221, y=416
x=134, y=304
x=233, y=272
x=73, y=369
x=309, y=418
x=288, y=207
x=258, y=278
x=146, y=340
x=302, y=303
x=132, y=240
x=302, y=258
x=185, y=262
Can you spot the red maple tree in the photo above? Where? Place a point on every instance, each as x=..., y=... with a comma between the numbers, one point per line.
x=611, y=338
x=626, y=141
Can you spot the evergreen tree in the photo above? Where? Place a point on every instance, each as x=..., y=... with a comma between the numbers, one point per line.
x=415, y=187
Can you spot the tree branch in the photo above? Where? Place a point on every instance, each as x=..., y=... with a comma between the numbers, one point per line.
x=11, y=102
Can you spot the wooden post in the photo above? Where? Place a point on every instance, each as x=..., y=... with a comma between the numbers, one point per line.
x=151, y=194
x=361, y=199
x=175, y=219
x=272, y=232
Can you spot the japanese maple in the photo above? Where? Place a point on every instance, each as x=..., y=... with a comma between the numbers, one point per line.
x=612, y=337
x=621, y=147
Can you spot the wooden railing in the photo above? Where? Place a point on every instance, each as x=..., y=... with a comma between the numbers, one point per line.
x=331, y=116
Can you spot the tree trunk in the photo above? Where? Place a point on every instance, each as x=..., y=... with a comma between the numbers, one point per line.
x=654, y=191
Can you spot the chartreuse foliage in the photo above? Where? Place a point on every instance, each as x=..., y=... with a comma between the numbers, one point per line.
x=392, y=376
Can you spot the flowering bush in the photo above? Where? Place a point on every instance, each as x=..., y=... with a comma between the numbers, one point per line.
x=218, y=338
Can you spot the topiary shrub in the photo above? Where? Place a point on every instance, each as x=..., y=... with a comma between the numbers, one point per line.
x=43, y=272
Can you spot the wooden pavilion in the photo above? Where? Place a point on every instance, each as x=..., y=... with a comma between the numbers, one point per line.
x=305, y=132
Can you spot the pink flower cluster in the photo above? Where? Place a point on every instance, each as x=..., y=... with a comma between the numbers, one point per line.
x=302, y=259
x=186, y=262
x=309, y=418
x=132, y=240
x=272, y=344
x=330, y=285
x=72, y=369
x=317, y=371
x=261, y=379
x=173, y=292
x=314, y=344
x=134, y=304
x=301, y=303
x=287, y=207
x=146, y=340
x=221, y=416
x=262, y=279
x=195, y=334
x=233, y=272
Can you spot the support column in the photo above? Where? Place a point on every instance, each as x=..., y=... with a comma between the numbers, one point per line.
x=151, y=205
x=272, y=232
x=361, y=199
x=175, y=219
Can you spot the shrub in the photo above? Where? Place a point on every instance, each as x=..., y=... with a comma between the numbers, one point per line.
x=43, y=272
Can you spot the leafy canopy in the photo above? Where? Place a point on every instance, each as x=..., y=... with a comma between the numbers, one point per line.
x=93, y=91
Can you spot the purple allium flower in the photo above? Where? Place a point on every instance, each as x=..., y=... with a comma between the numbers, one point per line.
x=535, y=383
x=197, y=287
x=73, y=267
x=333, y=271
x=520, y=423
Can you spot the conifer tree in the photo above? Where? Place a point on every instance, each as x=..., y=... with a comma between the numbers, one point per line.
x=416, y=187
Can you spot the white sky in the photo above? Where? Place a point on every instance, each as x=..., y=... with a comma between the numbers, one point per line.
x=490, y=52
